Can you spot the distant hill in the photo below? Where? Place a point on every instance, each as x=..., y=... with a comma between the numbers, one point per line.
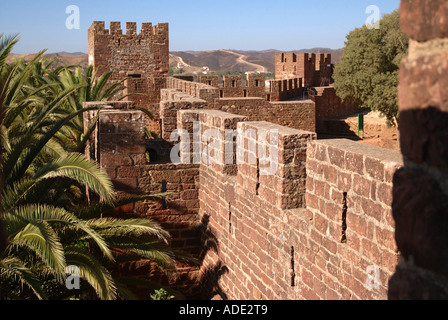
x=220, y=60
x=64, y=53
x=60, y=59
x=193, y=61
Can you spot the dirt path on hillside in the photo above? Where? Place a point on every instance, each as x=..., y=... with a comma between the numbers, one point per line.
x=187, y=68
x=242, y=59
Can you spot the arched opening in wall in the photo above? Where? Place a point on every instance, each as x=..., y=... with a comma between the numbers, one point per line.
x=257, y=83
x=245, y=93
x=233, y=83
x=221, y=93
x=152, y=156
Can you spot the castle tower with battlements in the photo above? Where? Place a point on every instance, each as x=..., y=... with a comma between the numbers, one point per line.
x=141, y=58
x=314, y=69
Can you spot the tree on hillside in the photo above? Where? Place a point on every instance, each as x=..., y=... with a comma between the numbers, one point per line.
x=367, y=74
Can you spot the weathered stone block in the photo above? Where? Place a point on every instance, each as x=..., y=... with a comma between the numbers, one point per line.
x=424, y=20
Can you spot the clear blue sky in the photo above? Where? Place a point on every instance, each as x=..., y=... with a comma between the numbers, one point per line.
x=195, y=24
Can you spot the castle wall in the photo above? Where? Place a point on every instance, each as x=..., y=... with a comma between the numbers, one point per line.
x=256, y=86
x=329, y=105
x=317, y=225
x=119, y=145
x=280, y=236
x=195, y=89
x=280, y=109
x=333, y=220
x=281, y=90
x=270, y=246
x=233, y=85
x=145, y=53
x=172, y=102
x=296, y=114
x=351, y=251
x=420, y=189
x=293, y=114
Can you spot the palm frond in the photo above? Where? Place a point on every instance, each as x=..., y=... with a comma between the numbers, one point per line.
x=6, y=45
x=14, y=271
x=17, y=220
x=12, y=159
x=108, y=227
x=76, y=167
x=95, y=210
x=93, y=272
x=39, y=237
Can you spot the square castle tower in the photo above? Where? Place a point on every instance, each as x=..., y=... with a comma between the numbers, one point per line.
x=314, y=69
x=142, y=58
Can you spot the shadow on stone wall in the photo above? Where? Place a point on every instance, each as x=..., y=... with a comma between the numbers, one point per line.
x=193, y=281
x=208, y=280
x=420, y=207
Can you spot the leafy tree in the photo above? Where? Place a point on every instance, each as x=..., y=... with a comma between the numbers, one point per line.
x=367, y=74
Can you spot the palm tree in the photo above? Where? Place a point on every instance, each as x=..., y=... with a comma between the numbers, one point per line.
x=6, y=45
x=93, y=89
x=48, y=225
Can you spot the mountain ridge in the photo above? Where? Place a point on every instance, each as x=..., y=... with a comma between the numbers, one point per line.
x=193, y=61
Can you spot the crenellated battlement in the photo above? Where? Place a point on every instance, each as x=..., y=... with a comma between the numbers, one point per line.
x=147, y=29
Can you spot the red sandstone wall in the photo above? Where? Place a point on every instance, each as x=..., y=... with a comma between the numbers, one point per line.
x=193, y=95
x=233, y=85
x=294, y=114
x=329, y=105
x=247, y=251
x=349, y=197
x=143, y=56
x=144, y=53
x=311, y=230
x=119, y=145
x=172, y=102
x=195, y=89
x=420, y=190
x=281, y=90
x=270, y=248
